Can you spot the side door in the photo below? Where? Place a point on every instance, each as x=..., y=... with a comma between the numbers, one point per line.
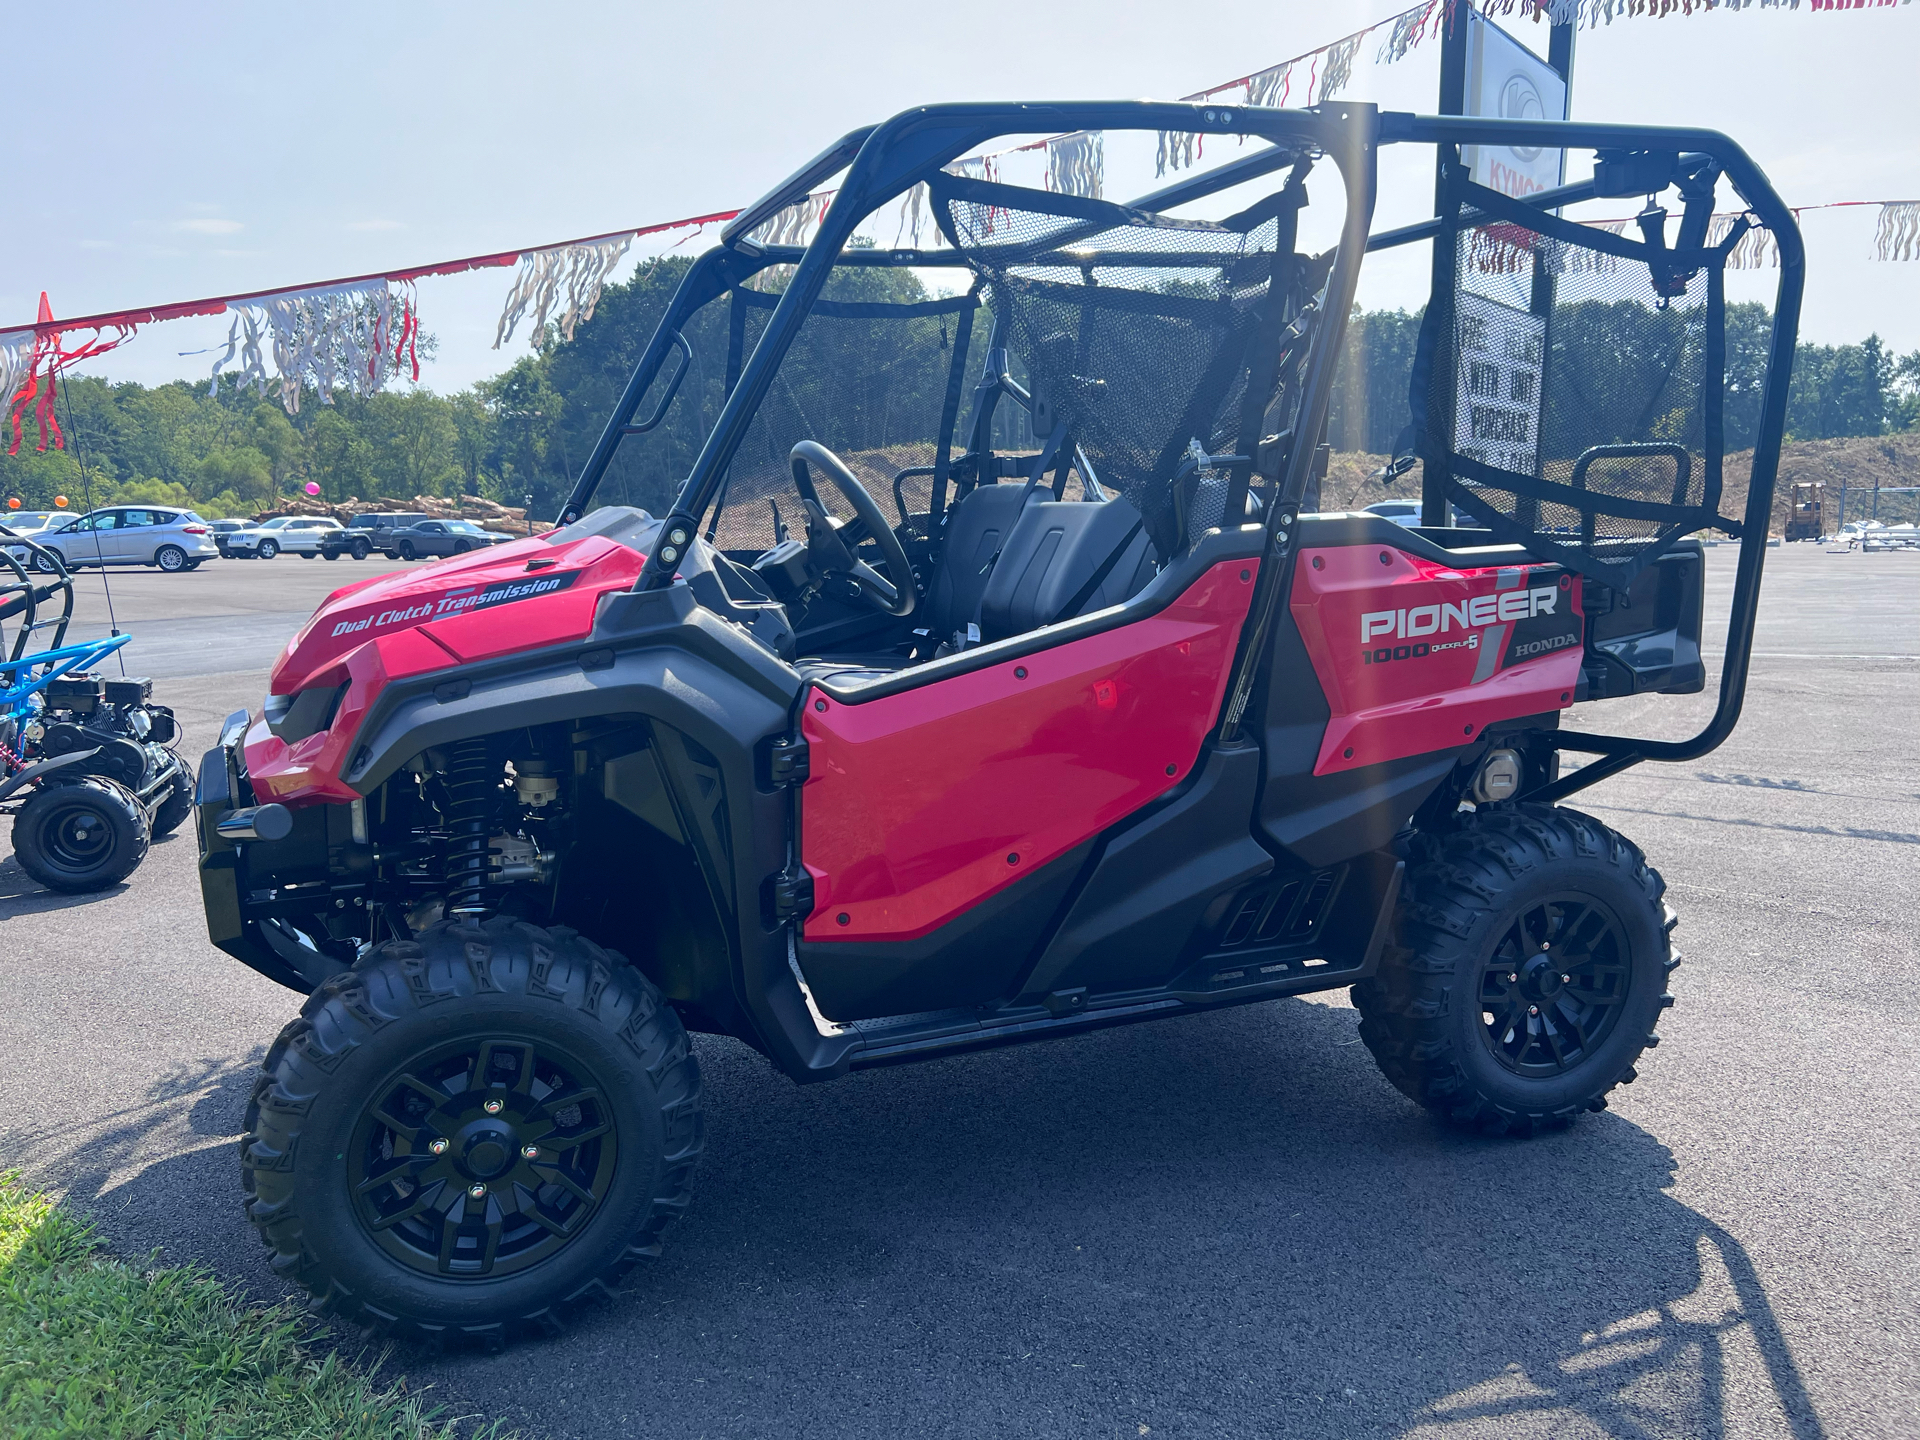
x=136, y=537
x=95, y=539
x=430, y=538
x=949, y=810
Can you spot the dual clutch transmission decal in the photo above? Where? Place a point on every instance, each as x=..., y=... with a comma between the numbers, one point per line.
x=463, y=601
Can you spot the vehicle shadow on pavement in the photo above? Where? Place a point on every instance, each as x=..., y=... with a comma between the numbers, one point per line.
x=1224, y=1225
x=162, y=1171
x=21, y=894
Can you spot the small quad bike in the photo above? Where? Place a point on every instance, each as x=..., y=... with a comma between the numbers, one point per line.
x=1096, y=723
x=86, y=765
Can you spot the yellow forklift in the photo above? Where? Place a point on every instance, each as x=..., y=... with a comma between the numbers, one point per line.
x=1805, y=511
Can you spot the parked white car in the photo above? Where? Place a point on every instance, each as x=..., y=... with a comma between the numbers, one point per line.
x=160, y=535
x=295, y=534
x=34, y=525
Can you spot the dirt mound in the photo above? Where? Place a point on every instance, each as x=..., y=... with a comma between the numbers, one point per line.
x=1859, y=463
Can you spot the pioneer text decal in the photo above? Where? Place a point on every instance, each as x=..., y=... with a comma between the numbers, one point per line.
x=1473, y=614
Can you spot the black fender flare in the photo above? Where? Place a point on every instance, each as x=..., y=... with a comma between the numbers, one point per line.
x=40, y=768
x=659, y=655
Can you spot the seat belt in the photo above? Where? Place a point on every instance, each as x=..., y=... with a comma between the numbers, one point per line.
x=1099, y=577
x=1048, y=453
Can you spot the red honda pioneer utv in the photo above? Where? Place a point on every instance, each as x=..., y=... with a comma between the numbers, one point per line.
x=1095, y=724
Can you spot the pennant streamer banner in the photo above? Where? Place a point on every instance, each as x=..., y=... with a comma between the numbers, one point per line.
x=360, y=333
x=581, y=270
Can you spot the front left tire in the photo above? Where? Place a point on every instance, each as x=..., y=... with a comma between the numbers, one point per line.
x=81, y=835
x=471, y=1133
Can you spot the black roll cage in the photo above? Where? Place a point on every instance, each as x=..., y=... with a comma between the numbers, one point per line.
x=883, y=161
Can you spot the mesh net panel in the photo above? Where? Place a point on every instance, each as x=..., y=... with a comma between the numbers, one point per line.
x=1570, y=387
x=868, y=377
x=1134, y=326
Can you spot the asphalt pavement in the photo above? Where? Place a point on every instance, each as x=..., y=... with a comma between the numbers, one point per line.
x=1222, y=1225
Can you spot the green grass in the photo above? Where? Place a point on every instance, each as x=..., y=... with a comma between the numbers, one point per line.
x=92, y=1347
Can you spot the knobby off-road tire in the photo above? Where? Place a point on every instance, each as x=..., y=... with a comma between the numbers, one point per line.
x=83, y=834
x=1526, y=972
x=498, y=1039
x=175, y=803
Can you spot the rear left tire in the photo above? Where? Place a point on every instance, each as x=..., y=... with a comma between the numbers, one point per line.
x=469, y=1134
x=1527, y=970
x=175, y=803
x=171, y=559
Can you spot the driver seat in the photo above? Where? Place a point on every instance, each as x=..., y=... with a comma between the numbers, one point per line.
x=1015, y=559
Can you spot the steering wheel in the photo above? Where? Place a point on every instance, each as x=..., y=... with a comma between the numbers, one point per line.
x=830, y=542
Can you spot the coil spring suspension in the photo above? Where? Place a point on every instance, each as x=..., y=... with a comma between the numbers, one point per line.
x=470, y=786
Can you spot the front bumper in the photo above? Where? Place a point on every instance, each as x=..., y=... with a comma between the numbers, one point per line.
x=248, y=888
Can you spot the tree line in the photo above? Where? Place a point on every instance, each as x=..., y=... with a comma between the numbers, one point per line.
x=528, y=431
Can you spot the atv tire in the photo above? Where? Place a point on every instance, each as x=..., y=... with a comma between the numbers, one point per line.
x=459, y=1038
x=1474, y=1012
x=83, y=834
x=174, y=804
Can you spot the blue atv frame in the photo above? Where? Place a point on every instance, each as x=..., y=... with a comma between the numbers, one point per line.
x=87, y=776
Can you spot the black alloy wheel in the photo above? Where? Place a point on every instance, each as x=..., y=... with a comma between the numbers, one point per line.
x=331, y=554
x=170, y=558
x=460, y=547
x=407, y=551
x=472, y=1132
x=482, y=1157
x=1553, y=989
x=82, y=834
x=360, y=549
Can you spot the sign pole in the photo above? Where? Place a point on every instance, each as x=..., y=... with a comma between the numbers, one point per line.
x=1453, y=101
x=1560, y=57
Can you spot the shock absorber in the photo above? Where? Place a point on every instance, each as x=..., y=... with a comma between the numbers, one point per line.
x=470, y=787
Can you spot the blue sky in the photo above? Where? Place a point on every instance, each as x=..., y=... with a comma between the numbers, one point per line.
x=167, y=152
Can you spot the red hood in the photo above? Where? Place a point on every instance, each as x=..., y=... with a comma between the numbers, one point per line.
x=486, y=603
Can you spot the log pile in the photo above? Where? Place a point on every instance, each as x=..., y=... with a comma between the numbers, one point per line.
x=487, y=514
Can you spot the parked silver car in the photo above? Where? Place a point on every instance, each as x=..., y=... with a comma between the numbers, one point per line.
x=160, y=535
x=295, y=534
